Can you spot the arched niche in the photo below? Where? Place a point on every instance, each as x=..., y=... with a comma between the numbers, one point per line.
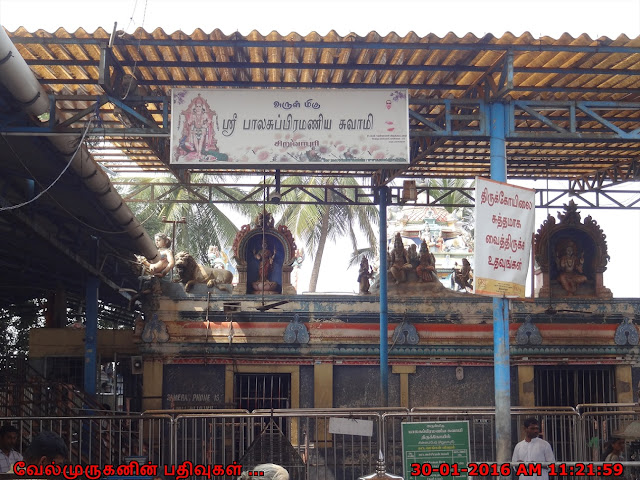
x=588, y=243
x=248, y=244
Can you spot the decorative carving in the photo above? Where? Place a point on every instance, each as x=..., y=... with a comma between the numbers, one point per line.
x=426, y=268
x=404, y=279
x=155, y=330
x=405, y=333
x=626, y=333
x=399, y=261
x=296, y=331
x=190, y=272
x=462, y=276
x=571, y=255
x=282, y=246
x=364, y=275
x=165, y=262
x=149, y=290
x=528, y=333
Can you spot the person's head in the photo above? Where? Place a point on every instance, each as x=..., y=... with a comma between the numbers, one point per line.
x=46, y=447
x=531, y=427
x=270, y=471
x=162, y=240
x=617, y=445
x=8, y=437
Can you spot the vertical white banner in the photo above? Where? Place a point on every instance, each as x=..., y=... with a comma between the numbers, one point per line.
x=505, y=217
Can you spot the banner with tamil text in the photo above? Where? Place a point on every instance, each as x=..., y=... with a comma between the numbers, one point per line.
x=296, y=128
x=505, y=217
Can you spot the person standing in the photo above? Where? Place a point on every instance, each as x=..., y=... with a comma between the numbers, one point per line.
x=533, y=449
x=8, y=441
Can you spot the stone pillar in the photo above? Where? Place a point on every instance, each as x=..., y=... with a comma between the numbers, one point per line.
x=241, y=287
x=323, y=398
x=404, y=371
x=323, y=385
x=152, y=384
x=526, y=396
x=624, y=384
x=287, y=287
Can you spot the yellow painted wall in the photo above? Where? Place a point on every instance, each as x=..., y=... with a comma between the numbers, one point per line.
x=69, y=342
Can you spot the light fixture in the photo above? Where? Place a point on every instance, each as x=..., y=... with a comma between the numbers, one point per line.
x=409, y=191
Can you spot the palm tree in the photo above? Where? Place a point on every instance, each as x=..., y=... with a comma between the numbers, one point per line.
x=316, y=223
x=206, y=223
x=445, y=190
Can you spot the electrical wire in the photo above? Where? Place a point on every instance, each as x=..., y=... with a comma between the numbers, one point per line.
x=20, y=205
x=71, y=214
x=135, y=63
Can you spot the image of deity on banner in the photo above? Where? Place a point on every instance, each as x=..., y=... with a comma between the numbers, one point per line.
x=197, y=126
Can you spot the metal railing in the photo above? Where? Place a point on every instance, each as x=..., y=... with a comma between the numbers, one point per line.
x=316, y=444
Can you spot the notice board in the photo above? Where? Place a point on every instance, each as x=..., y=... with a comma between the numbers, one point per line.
x=435, y=443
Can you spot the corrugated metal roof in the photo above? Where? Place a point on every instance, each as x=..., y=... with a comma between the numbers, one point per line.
x=432, y=68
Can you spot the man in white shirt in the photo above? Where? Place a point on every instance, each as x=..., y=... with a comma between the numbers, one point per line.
x=533, y=449
x=8, y=441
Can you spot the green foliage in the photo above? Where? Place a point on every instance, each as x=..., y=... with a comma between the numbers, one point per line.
x=15, y=323
x=315, y=223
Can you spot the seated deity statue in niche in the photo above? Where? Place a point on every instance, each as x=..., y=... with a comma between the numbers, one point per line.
x=399, y=261
x=570, y=266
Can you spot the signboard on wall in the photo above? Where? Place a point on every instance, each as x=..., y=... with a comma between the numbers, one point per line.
x=505, y=217
x=193, y=386
x=435, y=450
x=297, y=128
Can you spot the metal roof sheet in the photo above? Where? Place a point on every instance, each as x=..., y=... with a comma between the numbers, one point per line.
x=434, y=70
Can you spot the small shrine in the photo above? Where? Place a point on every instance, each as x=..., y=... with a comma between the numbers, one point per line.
x=572, y=256
x=265, y=255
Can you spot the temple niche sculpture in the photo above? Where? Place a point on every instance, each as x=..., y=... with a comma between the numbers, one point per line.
x=265, y=256
x=572, y=256
x=411, y=271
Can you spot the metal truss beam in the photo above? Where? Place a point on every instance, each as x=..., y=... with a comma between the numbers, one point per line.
x=36, y=226
x=606, y=177
x=455, y=119
x=167, y=193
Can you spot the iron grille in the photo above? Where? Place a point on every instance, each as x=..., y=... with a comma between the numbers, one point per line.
x=262, y=391
x=570, y=386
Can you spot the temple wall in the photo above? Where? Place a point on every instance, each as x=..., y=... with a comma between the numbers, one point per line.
x=440, y=349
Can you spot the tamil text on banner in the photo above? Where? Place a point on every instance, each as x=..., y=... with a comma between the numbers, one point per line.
x=294, y=128
x=505, y=216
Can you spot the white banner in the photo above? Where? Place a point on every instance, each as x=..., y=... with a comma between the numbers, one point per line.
x=293, y=128
x=505, y=217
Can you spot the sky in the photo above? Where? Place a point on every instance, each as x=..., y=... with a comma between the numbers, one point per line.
x=595, y=18
x=540, y=17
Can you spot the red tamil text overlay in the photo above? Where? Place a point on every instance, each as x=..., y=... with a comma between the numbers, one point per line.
x=133, y=469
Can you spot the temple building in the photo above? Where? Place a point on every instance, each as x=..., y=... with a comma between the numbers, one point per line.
x=260, y=345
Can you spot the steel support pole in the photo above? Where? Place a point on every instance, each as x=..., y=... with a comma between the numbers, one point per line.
x=384, y=306
x=502, y=378
x=91, y=335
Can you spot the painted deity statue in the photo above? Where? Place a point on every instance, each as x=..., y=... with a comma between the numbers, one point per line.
x=570, y=266
x=426, y=269
x=216, y=258
x=166, y=262
x=399, y=261
x=265, y=258
x=364, y=275
x=462, y=276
